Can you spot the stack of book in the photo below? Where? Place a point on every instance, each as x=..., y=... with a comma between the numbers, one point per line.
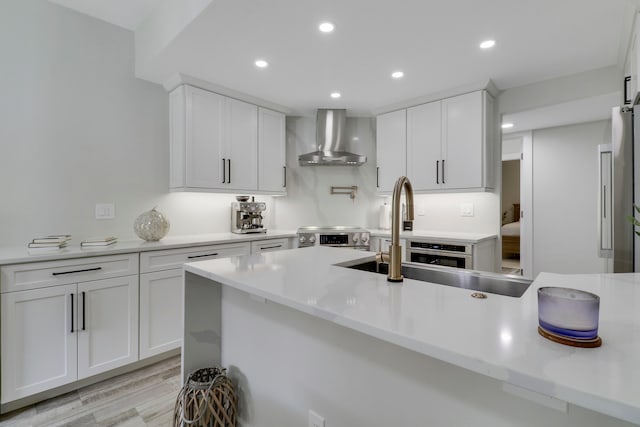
x=98, y=241
x=57, y=241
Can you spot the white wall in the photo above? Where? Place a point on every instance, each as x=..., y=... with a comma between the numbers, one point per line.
x=78, y=129
x=565, y=182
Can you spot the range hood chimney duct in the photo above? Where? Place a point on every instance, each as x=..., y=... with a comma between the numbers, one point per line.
x=331, y=143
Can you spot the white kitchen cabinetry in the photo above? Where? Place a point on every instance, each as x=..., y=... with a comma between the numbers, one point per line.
x=631, y=67
x=272, y=169
x=214, y=142
x=391, y=137
x=66, y=320
x=448, y=144
x=161, y=290
x=424, y=146
x=269, y=245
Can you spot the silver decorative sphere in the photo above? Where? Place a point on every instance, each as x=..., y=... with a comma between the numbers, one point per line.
x=151, y=226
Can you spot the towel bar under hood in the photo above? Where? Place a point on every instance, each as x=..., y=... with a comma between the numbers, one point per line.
x=331, y=142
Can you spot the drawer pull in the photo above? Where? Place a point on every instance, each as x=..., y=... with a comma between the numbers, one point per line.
x=71, y=313
x=77, y=271
x=84, y=297
x=200, y=256
x=270, y=247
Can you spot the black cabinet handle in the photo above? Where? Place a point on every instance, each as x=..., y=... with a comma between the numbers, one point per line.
x=284, y=175
x=76, y=271
x=604, y=201
x=200, y=256
x=71, y=313
x=443, y=171
x=378, y=177
x=84, y=296
x=627, y=80
x=229, y=172
x=270, y=247
x=437, y=171
x=224, y=170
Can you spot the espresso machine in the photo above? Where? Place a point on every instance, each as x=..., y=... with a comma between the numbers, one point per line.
x=246, y=216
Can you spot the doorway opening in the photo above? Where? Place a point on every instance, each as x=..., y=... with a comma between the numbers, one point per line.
x=511, y=216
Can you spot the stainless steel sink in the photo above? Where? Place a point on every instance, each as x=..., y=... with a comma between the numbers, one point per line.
x=492, y=283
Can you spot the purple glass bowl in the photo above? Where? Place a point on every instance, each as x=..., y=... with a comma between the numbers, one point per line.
x=569, y=312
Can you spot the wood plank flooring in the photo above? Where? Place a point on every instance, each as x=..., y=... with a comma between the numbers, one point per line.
x=145, y=397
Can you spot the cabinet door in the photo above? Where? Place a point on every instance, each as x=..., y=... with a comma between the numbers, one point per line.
x=424, y=159
x=463, y=140
x=391, y=139
x=161, y=317
x=271, y=152
x=241, y=145
x=39, y=349
x=204, y=138
x=107, y=324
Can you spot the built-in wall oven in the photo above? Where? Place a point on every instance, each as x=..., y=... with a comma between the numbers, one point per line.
x=457, y=255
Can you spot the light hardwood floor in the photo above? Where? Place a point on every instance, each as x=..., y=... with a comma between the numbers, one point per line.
x=145, y=397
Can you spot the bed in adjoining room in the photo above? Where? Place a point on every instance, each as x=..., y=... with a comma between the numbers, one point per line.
x=511, y=235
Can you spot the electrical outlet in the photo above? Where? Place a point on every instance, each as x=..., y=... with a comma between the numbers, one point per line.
x=105, y=211
x=466, y=209
x=315, y=420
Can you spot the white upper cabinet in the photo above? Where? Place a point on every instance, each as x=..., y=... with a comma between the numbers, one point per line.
x=448, y=145
x=272, y=170
x=631, y=67
x=215, y=144
x=463, y=141
x=424, y=154
x=240, y=145
x=204, y=139
x=391, y=146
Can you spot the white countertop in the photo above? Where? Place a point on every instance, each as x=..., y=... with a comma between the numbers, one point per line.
x=13, y=255
x=496, y=337
x=439, y=236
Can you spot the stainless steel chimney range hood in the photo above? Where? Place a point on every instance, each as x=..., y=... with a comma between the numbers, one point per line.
x=331, y=142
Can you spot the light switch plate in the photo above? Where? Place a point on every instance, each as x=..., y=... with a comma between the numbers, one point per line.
x=105, y=211
x=466, y=209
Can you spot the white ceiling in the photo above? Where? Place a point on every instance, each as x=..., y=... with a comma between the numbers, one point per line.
x=435, y=42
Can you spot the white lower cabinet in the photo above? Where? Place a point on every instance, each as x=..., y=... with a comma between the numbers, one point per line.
x=107, y=324
x=161, y=292
x=39, y=351
x=60, y=332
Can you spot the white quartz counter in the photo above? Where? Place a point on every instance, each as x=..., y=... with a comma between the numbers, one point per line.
x=439, y=236
x=496, y=337
x=13, y=255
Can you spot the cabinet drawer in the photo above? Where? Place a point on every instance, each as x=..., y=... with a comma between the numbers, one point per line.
x=36, y=275
x=174, y=258
x=269, y=245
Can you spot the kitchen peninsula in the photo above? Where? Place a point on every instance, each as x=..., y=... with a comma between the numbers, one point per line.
x=299, y=333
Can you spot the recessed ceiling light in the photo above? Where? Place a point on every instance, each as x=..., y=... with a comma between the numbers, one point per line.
x=507, y=125
x=487, y=44
x=326, y=27
x=261, y=63
x=397, y=74
x=335, y=95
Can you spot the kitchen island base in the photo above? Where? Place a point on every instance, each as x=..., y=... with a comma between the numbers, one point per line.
x=285, y=362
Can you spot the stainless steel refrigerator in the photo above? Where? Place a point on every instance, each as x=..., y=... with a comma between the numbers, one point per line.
x=616, y=194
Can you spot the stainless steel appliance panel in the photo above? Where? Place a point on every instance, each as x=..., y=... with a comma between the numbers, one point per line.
x=615, y=201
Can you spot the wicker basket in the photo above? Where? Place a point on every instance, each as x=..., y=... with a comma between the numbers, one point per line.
x=207, y=399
